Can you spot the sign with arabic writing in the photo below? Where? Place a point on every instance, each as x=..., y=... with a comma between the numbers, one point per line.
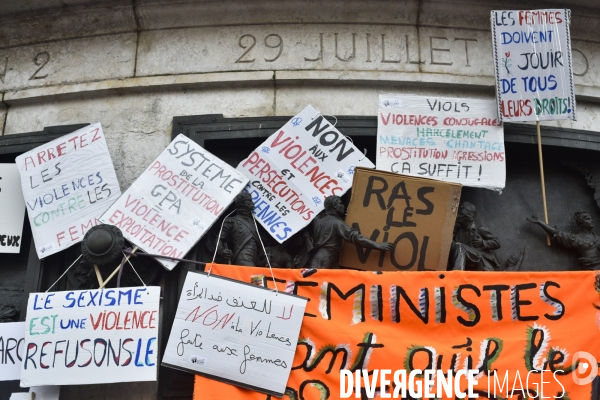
x=235, y=332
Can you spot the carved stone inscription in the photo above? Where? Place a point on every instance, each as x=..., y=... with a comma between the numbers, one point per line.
x=69, y=61
x=324, y=47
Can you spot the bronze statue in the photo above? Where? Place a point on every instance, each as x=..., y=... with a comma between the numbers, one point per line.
x=239, y=241
x=585, y=242
x=329, y=232
x=472, y=247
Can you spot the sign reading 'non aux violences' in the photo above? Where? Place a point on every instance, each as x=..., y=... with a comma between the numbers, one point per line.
x=12, y=209
x=534, y=71
x=176, y=200
x=235, y=332
x=67, y=184
x=293, y=171
x=91, y=336
x=12, y=337
x=448, y=139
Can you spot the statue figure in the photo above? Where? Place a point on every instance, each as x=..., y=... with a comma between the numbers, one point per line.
x=585, y=242
x=329, y=232
x=239, y=241
x=472, y=247
x=8, y=313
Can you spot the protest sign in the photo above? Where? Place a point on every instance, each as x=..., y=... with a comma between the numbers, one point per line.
x=532, y=59
x=235, y=332
x=293, y=171
x=12, y=209
x=67, y=184
x=176, y=200
x=416, y=215
x=91, y=336
x=12, y=336
x=449, y=139
x=500, y=325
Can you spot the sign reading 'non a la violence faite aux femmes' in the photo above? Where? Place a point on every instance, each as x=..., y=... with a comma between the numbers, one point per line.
x=67, y=184
x=235, y=332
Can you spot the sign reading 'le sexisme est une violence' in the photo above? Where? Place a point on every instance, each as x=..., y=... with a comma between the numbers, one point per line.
x=534, y=72
x=91, y=336
x=296, y=168
x=235, y=332
x=176, y=200
x=67, y=184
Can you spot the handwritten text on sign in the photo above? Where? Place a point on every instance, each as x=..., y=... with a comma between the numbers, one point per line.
x=293, y=171
x=176, y=200
x=449, y=139
x=12, y=336
x=534, y=72
x=12, y=209
x=67, y=184
x=91, y=336
x=235, y=332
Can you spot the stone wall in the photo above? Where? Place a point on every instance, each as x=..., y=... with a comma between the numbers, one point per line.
x=135, y=64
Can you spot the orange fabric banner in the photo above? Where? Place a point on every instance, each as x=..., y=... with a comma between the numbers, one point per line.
x=511, y=323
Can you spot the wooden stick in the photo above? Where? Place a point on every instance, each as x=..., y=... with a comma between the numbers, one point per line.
x=539, y=140
x=98, y=275
x=117, y=269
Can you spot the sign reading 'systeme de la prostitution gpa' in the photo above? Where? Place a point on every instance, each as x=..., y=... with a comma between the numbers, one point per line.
x=533, y=64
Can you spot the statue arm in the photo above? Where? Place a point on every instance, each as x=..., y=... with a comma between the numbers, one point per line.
x=222, y=249
x=488, y=240
x=549, y=229
x=350, y=235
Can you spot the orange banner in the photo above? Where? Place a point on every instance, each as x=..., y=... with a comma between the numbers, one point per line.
x=516, y=324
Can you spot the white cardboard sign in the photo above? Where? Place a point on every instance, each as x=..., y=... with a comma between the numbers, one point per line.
x=67, y=184
x=12, y=337
x=296, y=168
x=91, y=336
x=449, y=139
x=12, y=209
x=176, y=200
x=235, y=332
x=534, y=69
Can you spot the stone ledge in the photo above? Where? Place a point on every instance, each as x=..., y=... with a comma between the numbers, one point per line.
x=584, y=93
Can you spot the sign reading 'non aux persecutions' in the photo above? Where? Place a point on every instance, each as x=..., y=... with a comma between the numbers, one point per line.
x=416, y=215
x=176, y=200
x=12, y=209
x=91, y=336
x=293, y=171
x=12, y=337
x=504, y=326
x=532, y=57
x=67, y=184
x=235, y=332
x=449, y=139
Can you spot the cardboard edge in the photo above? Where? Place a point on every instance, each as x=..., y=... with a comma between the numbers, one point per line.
x=448, y=228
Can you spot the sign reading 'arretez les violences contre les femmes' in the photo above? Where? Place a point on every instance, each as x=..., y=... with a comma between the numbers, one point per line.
x=235, y=332
x=91, y=336
x=67, y=184
x=296, y=168
x=176, y=200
